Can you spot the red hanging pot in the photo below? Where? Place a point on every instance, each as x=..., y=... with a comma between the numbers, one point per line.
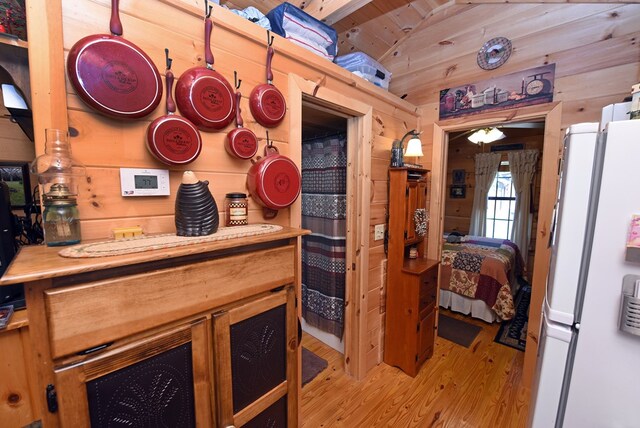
x=203, y=95
x=274, y=181
x=241, y=142
x=172, y=139
x=267, y=103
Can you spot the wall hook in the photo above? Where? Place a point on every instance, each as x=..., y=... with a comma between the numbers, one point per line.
x=237, y=81
x=269, y=38
x=168, y=60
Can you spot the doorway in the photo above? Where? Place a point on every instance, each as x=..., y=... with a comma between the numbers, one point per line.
x=551, y=114
x=359, y=128
x=324, y=210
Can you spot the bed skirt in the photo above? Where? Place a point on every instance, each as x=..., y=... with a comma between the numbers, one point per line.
x=465, y=305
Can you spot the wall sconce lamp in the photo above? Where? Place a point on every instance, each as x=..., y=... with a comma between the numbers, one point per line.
x=485, y=136
x=414, y=149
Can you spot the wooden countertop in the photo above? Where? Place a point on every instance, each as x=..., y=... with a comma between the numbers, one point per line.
x=41, y=262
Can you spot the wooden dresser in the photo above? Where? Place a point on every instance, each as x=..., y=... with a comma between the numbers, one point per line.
x=412, y=283
x=201, y=335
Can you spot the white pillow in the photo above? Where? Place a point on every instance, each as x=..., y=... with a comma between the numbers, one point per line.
x=305, y=31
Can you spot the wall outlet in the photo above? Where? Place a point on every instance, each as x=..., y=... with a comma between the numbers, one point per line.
x=378, y=232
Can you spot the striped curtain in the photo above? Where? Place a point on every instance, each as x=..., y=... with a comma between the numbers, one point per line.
x=324, y=209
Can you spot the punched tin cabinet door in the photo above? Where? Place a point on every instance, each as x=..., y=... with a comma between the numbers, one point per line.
x=156, y=381
x=255, y=362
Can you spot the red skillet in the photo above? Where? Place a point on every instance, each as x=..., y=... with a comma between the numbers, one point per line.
x=267, y=104
x=203, y=95
x=274, y=181
x=241, y=142
x=170, y=138
x=112, y=75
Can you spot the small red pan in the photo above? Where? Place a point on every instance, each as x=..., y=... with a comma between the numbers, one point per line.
x=203, y=95
x=267, y=103
x=241, y=142
x=112, y=75
x=170, y=138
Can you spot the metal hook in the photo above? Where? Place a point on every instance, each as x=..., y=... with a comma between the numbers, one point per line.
x=269, y=143
x=237, y=81
x=269, y=38
x=207, y=9
x=168, y=60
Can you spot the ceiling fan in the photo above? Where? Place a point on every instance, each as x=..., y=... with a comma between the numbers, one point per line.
x=489, y=134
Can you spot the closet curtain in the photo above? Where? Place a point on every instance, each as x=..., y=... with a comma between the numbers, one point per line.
x=324, y=210
x=487, y=165
x=523, y=167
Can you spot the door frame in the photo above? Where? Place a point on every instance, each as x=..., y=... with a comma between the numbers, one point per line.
x=551, y=114
x=359, y=130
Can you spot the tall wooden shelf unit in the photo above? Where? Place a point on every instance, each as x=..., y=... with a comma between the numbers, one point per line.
x=412, y=284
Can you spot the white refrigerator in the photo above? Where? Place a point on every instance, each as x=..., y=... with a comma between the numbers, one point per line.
x=588, y=369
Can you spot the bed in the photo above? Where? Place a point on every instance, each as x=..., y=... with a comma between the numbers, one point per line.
x=479, y=276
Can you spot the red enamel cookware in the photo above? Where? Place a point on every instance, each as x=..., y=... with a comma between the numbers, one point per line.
x=241, y=142
x=170, y=138
x=274, y=181
x=267, y=103
x=112, y=75
x=203, y=95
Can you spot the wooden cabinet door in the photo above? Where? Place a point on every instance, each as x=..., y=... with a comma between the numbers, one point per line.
x=426, y=337
x=157, y=381
x=255, y=362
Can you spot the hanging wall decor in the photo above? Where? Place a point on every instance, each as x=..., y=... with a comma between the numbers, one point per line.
x=523, y=88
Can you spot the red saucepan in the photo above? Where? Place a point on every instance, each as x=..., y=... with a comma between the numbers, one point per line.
x=267, y=104
x=273, y=181
x=113, y=75
x=241, y=142
x=170, y=138
x=203, y=95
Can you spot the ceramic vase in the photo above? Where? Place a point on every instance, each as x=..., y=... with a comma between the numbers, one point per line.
x=196, y=210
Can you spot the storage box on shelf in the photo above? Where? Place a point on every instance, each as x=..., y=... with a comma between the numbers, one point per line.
x=366, y=67
x=412, y=283
x=304, y=30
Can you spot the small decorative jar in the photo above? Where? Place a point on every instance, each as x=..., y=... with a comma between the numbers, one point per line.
x=60, y=217
x=237, y=209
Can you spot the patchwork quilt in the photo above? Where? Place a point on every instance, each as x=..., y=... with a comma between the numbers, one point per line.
x=483, y=268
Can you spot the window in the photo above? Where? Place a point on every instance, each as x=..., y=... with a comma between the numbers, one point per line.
x=17, y=179
x=501, y=204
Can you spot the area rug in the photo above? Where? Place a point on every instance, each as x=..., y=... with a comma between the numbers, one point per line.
x=457, y=331
x=312, y=365
x=513, y=333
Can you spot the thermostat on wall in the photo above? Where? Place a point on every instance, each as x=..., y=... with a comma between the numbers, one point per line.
x=144, y=182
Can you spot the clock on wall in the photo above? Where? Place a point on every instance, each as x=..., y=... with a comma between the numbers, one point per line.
x=494, y=53
x=538, y=85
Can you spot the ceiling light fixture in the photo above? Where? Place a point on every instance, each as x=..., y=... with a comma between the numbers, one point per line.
x=486, y=135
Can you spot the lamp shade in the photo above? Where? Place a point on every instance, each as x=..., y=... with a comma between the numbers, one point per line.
x=414, y=147
x=486, y=136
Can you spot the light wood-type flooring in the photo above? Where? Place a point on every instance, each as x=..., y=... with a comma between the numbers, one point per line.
x=458, y=387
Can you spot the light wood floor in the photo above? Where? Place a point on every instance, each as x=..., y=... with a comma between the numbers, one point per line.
x=458, y=387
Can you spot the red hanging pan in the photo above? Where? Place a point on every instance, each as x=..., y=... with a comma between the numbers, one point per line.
x=267, y=104
x=241, y=142
x=112, y=75
x=203, y=95
x=274, y=180
x=170, y=138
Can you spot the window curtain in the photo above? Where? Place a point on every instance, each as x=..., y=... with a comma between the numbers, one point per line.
x=523, y=167
x=324, y=210
x=487, y=165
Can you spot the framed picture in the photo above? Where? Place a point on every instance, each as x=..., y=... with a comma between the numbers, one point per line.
x=458, y=191
x=459, y=176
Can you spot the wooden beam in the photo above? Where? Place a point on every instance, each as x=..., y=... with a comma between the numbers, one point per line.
x=330, y=11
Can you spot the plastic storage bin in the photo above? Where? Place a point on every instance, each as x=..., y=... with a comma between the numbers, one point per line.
x=366, y=67
x=304, y=30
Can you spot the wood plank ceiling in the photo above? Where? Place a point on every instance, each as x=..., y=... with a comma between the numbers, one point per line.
x=432, y=44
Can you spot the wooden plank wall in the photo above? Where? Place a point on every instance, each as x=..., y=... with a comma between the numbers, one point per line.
x=105, y=145
x=457, y=212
